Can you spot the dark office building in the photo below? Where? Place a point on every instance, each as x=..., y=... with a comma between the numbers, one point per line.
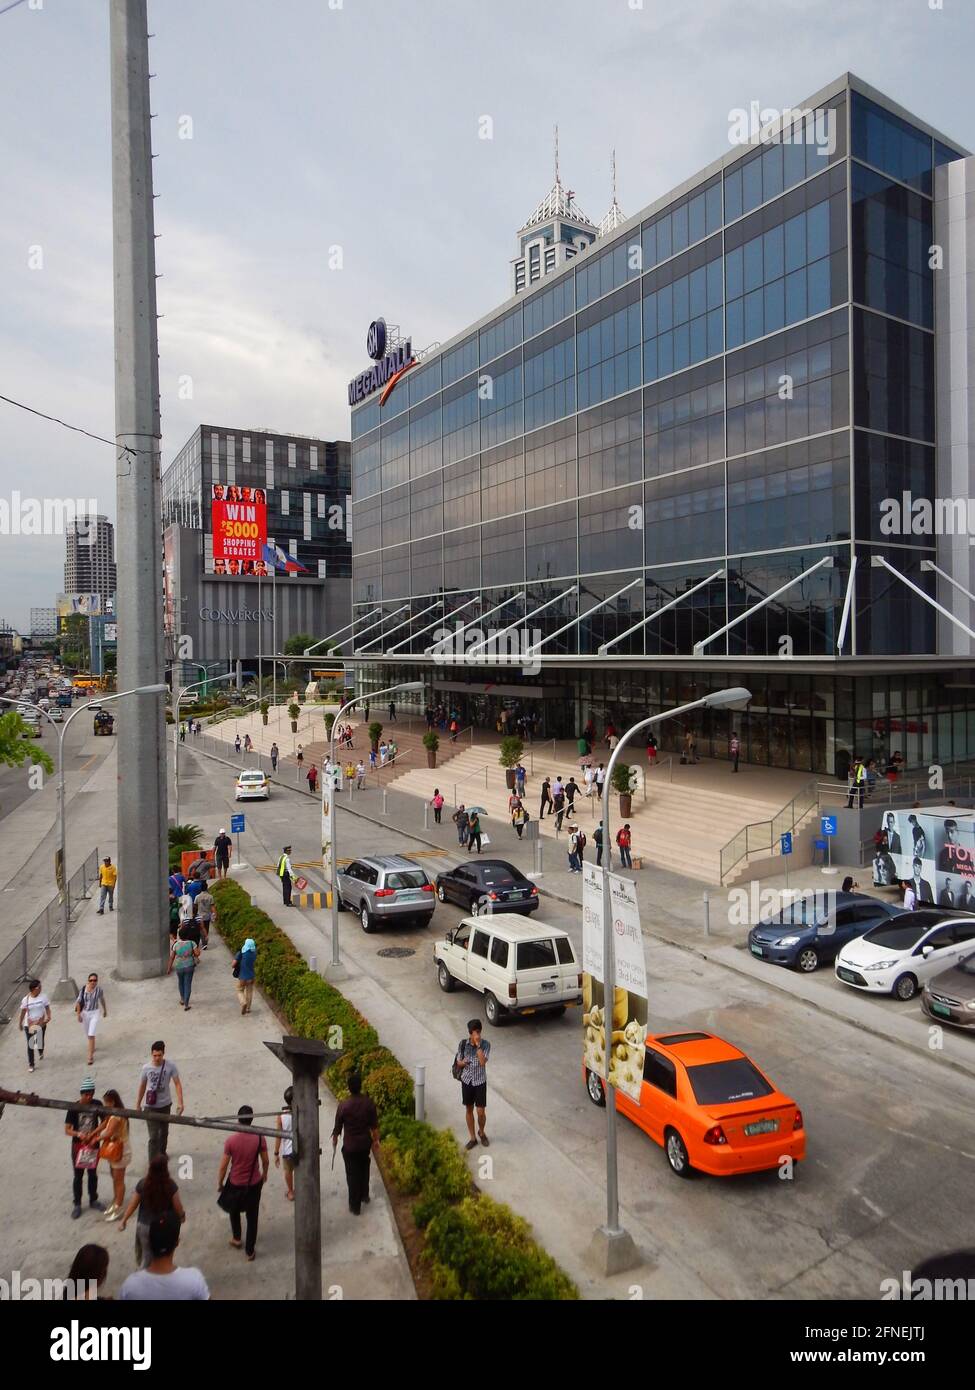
x=672, y=460
x=303, y=582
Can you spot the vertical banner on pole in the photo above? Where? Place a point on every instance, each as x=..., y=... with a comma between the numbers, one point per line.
x=327, y=794
x=594, y=1035
x=630, y=1009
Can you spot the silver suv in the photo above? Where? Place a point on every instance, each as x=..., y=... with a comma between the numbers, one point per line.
x=387, y=886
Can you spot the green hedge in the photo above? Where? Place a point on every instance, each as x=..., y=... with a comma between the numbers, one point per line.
x=476, y=1248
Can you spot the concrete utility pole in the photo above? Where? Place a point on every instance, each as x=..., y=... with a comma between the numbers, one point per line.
x=142, y=839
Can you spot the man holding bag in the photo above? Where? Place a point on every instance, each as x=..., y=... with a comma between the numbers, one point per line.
x=84, y=1155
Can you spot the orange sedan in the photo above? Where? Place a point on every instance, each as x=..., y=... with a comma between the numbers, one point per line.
x=709, y=1107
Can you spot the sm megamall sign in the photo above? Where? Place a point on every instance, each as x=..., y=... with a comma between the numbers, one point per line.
x=239, y=522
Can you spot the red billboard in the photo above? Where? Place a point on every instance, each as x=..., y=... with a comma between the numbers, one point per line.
x=238, y=518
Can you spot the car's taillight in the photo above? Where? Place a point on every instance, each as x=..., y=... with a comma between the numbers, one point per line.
x=534, y=892
x=512, y=991
x=385, y=892
x=797, y=1120
x=428, y=887
x=715, y=1135
x=493, y=897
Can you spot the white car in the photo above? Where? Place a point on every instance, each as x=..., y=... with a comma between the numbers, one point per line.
x=252, y=785
x=898, y=956
x=520, y=966
x=57, y=714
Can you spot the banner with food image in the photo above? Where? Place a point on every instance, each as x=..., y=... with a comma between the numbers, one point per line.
x=629, y=1012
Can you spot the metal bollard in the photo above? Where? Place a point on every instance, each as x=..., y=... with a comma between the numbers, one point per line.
x=426, y=815
x=707, y=915
x=420, y=1091
x=538, y=856
x=313, y=964
x=384, y=800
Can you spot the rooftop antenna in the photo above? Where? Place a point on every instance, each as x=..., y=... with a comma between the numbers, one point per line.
x=556, y=154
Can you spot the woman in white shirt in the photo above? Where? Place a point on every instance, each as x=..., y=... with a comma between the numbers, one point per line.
x=35, y=1015
x=284, y=1145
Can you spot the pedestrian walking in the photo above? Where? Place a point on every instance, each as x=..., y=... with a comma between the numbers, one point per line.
x=312, y=778
x=107, y=879
x=300, y=755
x=360, y=773
x=372, y=760
x=454, y=730
x=284, y=1145
x=358, y=1123
x=81, y=1125
x=910, y=897
x=521, y=777
x=735, y=747
x=156, y=1079
x=597, y=836
x=285, y=873
x=244, y=974
x=392, y=711
x=176, y=883
x=598, y=779
x=182, y=732
x=519, y=818
x=624, y=840
x=589, y=777
x=473, y=831
x=186, y=907
x=428, y=716
x=437, y=804
x=89, y=1266
x=546, y=799
x=275, y=754
x=248, y=744
x=183, y=958
x=163, y=1280
x=651, y=749
x=577, y=843
x=35, y=1015
x=237, y=744
x=571, y=792
x=206, y=914
x=223, y=847
x=155, y=1196
x=112, y=1135
x=246, y=1156
x=89, y=1007
x=471, y=1060
x=463, y=823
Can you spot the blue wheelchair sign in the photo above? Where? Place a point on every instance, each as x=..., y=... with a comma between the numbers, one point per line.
x=786, y=842
x=827, y=825
x=236, y=824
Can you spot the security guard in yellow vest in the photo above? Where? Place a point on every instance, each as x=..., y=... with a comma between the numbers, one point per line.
x=286, y=873
x=858, y=782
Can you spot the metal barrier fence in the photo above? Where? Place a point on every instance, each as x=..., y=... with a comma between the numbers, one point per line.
x=32, y=953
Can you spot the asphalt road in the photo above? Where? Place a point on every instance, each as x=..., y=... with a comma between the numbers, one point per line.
x=890, y=1144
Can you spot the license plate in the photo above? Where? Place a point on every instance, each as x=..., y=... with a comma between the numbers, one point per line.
x=941, y=1009
x=516, y=893
x=762, y=1127
x=757, y=951
x=847, y=975
x=409, y=894
x=548, y=984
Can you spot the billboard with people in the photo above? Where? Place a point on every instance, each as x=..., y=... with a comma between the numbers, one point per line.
x=238, y=521
x=933, y=850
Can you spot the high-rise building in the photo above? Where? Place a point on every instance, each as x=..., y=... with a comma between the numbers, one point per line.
x=726, y=444
x=44, y=622
x=554, y=233
x=89, y=563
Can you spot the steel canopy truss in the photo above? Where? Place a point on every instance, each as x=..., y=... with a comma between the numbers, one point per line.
x=405, y=623
x=384, y=618
x=604, y=648
x=332, y=635
x=537, y=646
x=878, y=562
x=520, y=623
x=446, y=617
x=826, y=562
x=427, y=651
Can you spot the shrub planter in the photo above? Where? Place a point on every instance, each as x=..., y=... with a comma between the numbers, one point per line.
x=626, y=805
x=431, y=743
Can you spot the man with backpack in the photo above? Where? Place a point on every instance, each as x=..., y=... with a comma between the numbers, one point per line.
x=623, y=839
x=597, y=836
x=577, y=843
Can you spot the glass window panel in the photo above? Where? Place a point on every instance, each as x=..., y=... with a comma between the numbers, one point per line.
x=774, y=306
x=736, y=322
x=773, y=250
x=753, y=264
x=795, y=296
x=696, y=219
x=817, y=285
x=713, y=208
x=698, y=291
x=754, y=314
x=772, y=172
x=751, y=175
x=734, y=272
x=664, y=243
x=679, y=217
x=732, y=194
x=795, y=242
x=817, y=231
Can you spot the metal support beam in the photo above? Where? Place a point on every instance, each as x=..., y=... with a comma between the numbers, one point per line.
x=385, y=618
x=930, y=567
x=446, y=618
x=520, y=623
x=578, y=619
x=847, y=604
x=332, y=635
x=461, y=630
x=825, y=563
x=878, y=562
x=718, y=574
x=406, y=622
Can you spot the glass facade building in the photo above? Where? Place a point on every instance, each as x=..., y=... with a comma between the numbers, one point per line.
x=660, y=444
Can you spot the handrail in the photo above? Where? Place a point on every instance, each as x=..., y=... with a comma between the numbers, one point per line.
x=468, y=778
x=762, y=836
x=43, y=934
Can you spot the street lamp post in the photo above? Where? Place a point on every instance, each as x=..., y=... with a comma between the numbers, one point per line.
x=229, y=676
x=335, y=969
x=66, y=988
x=613, y=1244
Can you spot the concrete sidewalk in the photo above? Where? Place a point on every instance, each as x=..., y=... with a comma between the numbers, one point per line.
x=223, y=1064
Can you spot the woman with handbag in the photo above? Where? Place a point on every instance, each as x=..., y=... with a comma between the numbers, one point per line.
x=244, y=974
x=113, y=1134
x=184, y=956
x=247, y=1158
x=154, y=1194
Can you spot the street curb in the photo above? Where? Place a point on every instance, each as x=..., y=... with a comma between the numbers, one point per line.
x=822, y=1006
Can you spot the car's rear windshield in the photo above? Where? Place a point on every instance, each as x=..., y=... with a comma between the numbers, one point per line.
x=535, y=955
x=252, y=776
x=726, y=1083
x=896, y=935
x=498, y=878
x=406, y=878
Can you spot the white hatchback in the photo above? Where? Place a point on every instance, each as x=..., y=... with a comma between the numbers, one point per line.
x=898, y=956
x=252, y=785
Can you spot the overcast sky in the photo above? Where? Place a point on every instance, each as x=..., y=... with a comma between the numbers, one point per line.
x=320, y=124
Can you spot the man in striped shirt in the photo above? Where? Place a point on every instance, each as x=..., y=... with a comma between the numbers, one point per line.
x=473, y=1056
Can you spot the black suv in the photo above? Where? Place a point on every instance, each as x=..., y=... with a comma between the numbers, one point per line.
x=489, y=885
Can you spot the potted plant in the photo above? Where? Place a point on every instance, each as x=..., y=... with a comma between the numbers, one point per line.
x=623, y=780
x=265, y=706
x=375, y=734
x=431, y=743
x=512, y=748
x=329, y=717
x=293, y=711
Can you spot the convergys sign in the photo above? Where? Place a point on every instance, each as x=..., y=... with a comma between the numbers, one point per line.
x=388, y=369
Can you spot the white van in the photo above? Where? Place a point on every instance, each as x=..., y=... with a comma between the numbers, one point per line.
x=521, y=967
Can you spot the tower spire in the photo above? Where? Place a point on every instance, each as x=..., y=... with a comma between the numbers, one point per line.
x=556, y=154
x=616, y=214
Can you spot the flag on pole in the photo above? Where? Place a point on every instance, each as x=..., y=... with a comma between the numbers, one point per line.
x=281, y=559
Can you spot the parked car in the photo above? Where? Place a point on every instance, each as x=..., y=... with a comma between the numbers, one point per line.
x=950, y=997
x=709, y=1106
x=904, y=953
x=386, y=887
x=488, y=885
x=815, y=927
x=520, y=967
x=252, y=785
